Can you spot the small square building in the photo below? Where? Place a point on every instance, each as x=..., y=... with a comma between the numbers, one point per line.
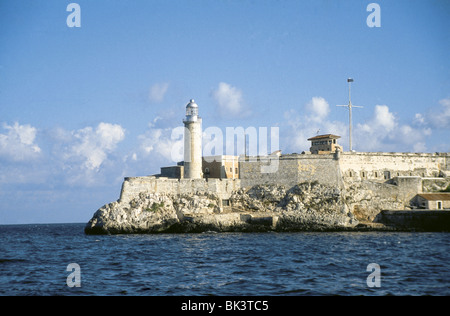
x=221, y=167
x=324, y=144
x=433, y=201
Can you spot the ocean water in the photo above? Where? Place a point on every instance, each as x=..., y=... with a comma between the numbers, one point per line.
x=34, y=261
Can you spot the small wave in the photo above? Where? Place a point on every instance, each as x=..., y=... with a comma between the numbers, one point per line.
x=294, y=291
x=11, y=260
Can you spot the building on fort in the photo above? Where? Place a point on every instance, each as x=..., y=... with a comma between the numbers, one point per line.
x=221, y=167
x=324, y=144
x=213, y=167
x=432, y=201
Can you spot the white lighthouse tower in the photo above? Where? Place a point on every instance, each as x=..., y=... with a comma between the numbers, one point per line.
x=192, y=142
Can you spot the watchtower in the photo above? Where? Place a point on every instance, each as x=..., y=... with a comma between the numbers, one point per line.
x=324, y=144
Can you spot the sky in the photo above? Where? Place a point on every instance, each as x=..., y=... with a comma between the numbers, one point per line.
x=83, y=106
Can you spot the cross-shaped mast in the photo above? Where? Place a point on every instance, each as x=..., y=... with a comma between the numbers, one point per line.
x=350, y=106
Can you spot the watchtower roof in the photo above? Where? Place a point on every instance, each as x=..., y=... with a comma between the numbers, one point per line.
x=326, y=136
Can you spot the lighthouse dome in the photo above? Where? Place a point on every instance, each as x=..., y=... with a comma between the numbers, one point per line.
x=191, y=111
x=192, y=104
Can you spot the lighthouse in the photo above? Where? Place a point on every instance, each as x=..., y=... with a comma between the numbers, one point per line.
x=192, y=142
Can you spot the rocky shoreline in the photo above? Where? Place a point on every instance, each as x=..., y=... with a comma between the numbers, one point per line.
x=303, y=207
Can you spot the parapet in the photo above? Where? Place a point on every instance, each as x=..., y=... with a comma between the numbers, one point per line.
x=132, y=186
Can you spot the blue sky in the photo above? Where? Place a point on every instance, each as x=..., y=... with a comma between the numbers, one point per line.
x=81, y=108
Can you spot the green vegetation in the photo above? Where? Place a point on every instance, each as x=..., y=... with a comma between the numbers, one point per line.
x=155, y=207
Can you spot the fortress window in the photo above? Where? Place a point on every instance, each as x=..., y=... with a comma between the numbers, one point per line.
x=376, y=174
x=350, y=174
x=363, y=174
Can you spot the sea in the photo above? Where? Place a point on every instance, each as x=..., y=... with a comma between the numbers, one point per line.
x=59, y=259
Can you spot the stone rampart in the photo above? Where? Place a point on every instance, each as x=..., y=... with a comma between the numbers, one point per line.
x=402, y=175
x=291, y=170
x=382, y=166
x=397, y=175
x=331, y=169
x=132, y=186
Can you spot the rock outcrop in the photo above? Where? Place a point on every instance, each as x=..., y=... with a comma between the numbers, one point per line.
x=306, y=206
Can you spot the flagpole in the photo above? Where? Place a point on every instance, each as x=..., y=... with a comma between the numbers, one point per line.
x=350, y=106
x=350, y=80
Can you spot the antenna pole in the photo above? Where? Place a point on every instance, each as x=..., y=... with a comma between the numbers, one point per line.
x=350, y=106
x=349, y=90
x=349, y=114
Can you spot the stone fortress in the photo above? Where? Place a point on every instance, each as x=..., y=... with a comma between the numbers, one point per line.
x=359, y=185
x=404, y=174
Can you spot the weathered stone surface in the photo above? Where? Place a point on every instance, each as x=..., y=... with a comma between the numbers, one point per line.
x=306, y=206
x=349, y=167
x=366, y=199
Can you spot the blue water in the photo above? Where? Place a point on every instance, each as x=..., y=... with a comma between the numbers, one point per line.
x=34, y=258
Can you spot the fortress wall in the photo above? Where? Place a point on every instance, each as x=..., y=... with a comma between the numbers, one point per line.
x=132, y=186
x=292, y=169
x=407, y=188
x=322, y=168
x=435, y=184
x=383, y=166
x=250, y=172
x=406, y=172
x=402, y=189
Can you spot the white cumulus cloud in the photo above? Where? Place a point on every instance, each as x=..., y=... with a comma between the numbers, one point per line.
x=162, y=142
x=384, y=132
x=437, y=117
x=94, y=145
x=382, y=123
x=18, y=144
x=229, y=100
x=319, y=109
